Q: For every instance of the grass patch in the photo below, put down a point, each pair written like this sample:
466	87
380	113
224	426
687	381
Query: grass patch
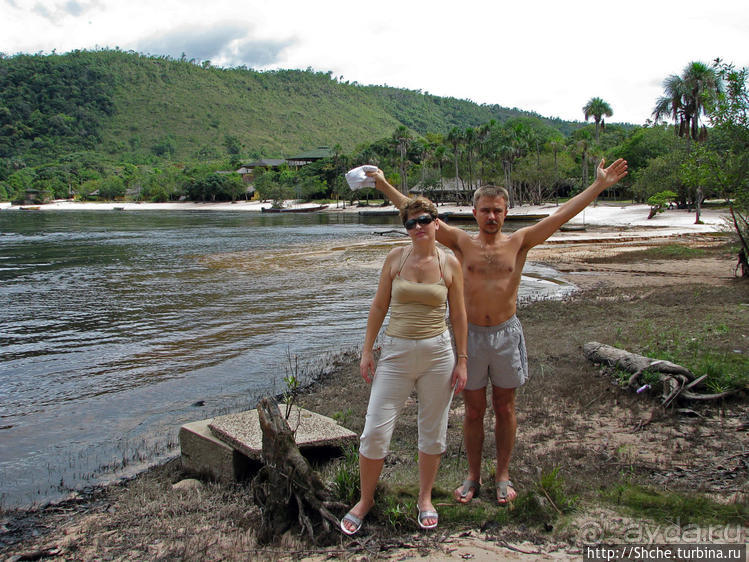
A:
698	350
668	507
676	252
346	478
668	252
545	502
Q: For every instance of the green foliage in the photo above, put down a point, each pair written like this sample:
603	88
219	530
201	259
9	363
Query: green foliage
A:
672	251
726	370
644	144
233	144
165	147
730	169
663	506
546	502
660	201
135	107
346	479
53	104
342	417
663	173
112	187
268	186
126	120
597	108
213	186
397	513
688	96
293	382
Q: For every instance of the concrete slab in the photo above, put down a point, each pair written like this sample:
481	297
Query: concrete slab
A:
204	454
242	431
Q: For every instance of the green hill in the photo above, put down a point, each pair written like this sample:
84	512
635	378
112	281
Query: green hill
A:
130	107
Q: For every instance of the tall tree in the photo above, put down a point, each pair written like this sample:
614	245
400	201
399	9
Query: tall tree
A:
597	108
583	145
556	144
455	137
672	105
441	158
730	115
510	142
687	97
702	85
403	138
469	137
482	136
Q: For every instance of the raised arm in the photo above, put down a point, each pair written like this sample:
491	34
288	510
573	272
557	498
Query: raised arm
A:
446	234
383	186
605	178
377	311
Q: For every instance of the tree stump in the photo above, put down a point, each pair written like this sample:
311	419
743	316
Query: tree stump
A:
287	489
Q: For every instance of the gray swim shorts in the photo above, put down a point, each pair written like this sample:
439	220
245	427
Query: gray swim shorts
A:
497	353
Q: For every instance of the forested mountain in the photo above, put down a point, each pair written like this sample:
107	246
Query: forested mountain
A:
129	107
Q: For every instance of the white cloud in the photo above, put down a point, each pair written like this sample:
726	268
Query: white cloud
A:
227	43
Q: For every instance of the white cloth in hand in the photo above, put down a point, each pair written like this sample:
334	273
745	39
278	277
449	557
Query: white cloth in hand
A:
358	179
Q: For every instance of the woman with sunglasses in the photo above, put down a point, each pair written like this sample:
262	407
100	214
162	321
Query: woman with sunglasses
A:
417	283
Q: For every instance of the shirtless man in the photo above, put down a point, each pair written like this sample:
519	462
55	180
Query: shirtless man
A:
492	264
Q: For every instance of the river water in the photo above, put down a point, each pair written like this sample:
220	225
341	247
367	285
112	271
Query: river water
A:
117	327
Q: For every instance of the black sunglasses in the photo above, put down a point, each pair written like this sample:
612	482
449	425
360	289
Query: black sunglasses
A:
423	220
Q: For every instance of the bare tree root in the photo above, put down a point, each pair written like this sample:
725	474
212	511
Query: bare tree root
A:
288	491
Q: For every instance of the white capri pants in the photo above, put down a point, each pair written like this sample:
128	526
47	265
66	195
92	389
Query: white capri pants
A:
404	363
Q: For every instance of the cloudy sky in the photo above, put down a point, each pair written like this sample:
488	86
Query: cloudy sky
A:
543	56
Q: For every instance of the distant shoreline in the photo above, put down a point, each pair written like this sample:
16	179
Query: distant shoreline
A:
67	205
605	219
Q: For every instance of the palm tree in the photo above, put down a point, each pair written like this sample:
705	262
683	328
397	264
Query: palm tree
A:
687	96
510	143
673	104
455	137
403	138
584	147
426	155
702	86
597	108
469	137
441	157
482	136
556	144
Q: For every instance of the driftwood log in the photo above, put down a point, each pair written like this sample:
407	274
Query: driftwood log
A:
678	382
287	489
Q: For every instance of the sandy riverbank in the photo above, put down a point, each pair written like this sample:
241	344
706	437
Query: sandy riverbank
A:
599	220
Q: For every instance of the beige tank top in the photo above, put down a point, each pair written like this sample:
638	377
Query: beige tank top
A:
417	310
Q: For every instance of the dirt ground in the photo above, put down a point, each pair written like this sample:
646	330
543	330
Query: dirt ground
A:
572	417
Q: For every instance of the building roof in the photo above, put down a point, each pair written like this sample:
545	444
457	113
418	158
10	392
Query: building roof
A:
316	154
264	163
